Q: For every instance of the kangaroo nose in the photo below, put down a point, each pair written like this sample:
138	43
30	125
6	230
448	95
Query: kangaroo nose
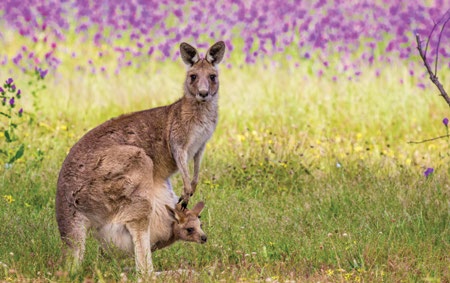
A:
204	238
203	92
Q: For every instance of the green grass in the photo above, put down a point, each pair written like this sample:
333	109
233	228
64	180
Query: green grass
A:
305	179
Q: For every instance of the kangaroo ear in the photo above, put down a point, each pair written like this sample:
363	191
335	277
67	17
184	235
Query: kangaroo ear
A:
189	54
215	53
176	215
198	208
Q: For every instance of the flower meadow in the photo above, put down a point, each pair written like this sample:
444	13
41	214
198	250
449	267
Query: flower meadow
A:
129	32
330	161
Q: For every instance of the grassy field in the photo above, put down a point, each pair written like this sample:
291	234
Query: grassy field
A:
306	179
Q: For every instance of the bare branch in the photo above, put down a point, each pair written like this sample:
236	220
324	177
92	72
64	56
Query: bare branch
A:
427	140
433	76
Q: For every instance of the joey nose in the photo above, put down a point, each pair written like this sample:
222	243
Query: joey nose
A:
204	238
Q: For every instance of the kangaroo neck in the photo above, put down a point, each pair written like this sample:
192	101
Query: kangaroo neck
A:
199	109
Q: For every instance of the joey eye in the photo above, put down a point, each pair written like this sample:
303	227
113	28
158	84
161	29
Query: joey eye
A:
190	230
193	77
212	78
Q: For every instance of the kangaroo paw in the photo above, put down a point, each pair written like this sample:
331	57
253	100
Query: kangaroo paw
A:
184	200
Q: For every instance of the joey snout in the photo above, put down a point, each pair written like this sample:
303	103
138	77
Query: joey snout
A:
203	239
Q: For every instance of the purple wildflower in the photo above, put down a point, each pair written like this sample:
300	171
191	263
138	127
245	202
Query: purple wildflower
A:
178	13
150	50
428	172
12	102
2	91
20	112
445	122
9	81
42	73
18	94
17	59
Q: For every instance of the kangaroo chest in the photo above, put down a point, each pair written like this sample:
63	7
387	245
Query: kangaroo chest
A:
199	135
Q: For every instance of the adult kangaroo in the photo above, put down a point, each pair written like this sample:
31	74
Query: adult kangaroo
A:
118	173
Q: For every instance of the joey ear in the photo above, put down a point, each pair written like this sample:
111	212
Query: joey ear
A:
172	212
215	53
198	208
175	214
189	54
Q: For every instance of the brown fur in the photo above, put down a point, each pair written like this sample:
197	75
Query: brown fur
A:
118	173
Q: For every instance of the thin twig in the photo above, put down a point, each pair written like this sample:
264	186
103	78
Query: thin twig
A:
429	38
433	76
441	137
439	40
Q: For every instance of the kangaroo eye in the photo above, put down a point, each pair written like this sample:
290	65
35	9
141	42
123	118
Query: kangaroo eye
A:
193	77
213	78
190	230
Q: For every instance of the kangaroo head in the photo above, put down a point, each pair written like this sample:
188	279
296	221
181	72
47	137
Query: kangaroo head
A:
202	82
187	225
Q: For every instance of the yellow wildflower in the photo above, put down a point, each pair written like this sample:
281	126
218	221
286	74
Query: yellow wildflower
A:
330	272
408	161
358	148
9	198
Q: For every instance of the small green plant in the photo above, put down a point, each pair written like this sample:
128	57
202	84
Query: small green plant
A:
11	118
37	85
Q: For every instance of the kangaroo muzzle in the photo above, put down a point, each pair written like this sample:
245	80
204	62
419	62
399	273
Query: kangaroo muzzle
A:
203	88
